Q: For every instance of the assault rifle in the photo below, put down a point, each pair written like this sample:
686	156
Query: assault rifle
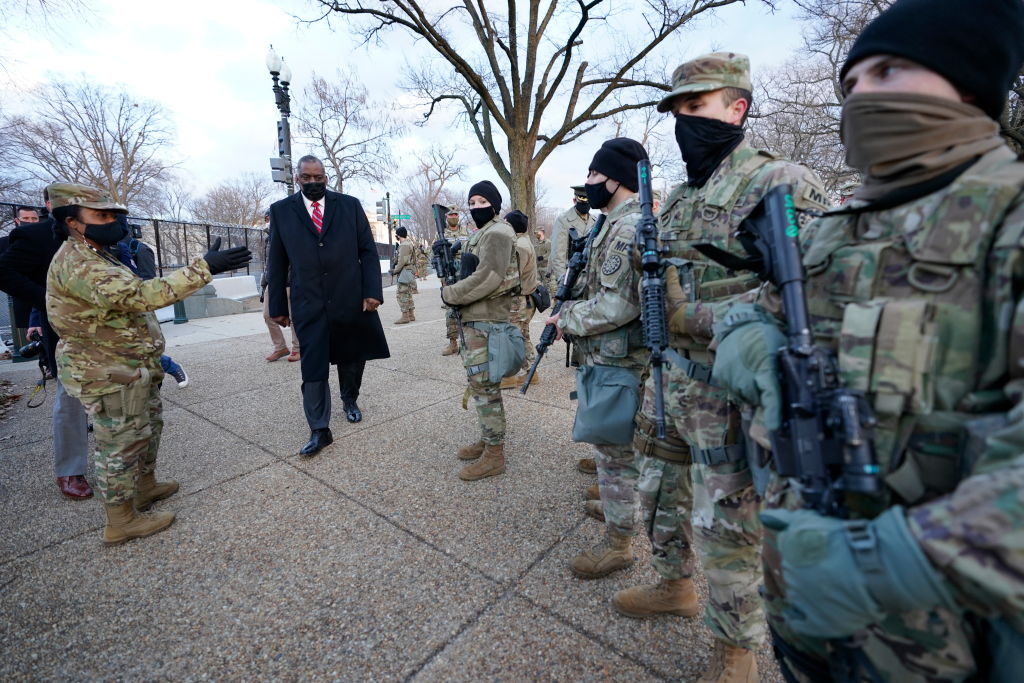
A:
578	258
652	291
444	261
826	440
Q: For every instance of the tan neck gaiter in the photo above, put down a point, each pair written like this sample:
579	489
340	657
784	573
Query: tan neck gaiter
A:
897	140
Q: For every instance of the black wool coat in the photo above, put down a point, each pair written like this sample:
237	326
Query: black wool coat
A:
331	273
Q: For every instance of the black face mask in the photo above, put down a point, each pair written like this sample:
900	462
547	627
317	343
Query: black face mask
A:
582	208
482	216
107	233
598	195
704	143
314	191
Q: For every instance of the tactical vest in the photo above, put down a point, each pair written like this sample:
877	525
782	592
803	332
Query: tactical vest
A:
510	282
900	295
710	214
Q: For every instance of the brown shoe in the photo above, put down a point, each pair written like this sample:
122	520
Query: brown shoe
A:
124	523
74	487
293	356
594	509
490	464
586	466
148	490
406	318
592	492
451	349
730	665
668	596
471	452
509	382
277	355
610	555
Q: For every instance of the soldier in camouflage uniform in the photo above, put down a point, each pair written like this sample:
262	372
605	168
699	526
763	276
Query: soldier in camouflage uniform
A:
421	262
522	305
406	263
542	248
916	284
575	221
455	232
109	353
726	179
603	318
484	297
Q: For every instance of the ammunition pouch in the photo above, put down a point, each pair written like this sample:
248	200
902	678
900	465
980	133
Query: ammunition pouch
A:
608	399
506	350
407	277
132	398
670	449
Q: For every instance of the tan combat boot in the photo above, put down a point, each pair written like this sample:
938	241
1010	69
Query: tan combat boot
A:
148	490
412	314
404	319
730	665
613	553
509	382
471	452
492	463
451	349
592	492
594	509
668	596
586	466
124	523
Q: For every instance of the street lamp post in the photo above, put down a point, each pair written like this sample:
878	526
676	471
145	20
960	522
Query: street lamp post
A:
281	75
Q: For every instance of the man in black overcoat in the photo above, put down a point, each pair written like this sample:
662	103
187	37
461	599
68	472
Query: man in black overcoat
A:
325	239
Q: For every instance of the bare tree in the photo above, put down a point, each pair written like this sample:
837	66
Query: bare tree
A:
654	131
519	74
424	188
240	201
350	132
86	133
172	199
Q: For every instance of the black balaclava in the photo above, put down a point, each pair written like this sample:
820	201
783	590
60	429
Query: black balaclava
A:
487	190
617	159
518	220
704	143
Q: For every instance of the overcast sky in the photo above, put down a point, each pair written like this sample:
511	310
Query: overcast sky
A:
204	61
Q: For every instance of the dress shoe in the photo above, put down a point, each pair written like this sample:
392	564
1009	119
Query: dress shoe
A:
277	355
318	440
352	412
293	356
74	487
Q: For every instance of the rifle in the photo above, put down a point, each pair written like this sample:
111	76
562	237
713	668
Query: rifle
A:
578	258
444	262
826	440
652	291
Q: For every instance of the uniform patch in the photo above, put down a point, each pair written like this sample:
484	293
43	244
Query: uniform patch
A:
611	264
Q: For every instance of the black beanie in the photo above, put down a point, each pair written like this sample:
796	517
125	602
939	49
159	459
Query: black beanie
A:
617	159
518	220
487	190
402	232
977	45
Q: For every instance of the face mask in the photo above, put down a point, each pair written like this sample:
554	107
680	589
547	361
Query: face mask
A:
598	195
107	233
314	191
704	143
583	208
453	221
482	216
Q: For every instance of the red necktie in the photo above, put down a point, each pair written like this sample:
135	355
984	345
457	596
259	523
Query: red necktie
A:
318	217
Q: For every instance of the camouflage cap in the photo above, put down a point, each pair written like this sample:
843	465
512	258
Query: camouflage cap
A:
709	72
70	194
579	191
451	210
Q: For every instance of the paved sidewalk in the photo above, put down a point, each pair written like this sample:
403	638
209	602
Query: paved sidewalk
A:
371	561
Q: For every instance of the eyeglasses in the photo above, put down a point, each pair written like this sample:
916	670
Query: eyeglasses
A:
306	178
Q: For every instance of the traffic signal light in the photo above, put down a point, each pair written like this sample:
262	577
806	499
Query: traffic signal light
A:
283	136
381	213
280	171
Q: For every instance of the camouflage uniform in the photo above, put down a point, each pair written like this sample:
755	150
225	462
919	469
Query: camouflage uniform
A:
457	234
604	320
523	309
703	427
109	354
542	248
486	297
881	293
421	263
569	222
406	260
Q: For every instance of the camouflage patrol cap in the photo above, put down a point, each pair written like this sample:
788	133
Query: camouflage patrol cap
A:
709	72
452	210
73	194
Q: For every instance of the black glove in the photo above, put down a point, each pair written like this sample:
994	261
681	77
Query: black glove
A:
469	264
229	259
438	247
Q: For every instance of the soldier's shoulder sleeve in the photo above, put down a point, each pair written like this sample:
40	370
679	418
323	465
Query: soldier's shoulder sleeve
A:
808	190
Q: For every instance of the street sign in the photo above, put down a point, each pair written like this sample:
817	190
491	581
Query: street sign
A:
400	217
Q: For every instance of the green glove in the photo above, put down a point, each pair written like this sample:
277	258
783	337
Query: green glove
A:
746	362
842	575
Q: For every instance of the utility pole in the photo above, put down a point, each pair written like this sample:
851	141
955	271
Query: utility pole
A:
281	166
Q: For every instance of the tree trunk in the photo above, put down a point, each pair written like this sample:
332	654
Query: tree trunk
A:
524	174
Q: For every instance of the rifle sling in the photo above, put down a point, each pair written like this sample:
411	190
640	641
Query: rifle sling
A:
692	369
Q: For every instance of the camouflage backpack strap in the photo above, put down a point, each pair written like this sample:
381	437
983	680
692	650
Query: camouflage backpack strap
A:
729	187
